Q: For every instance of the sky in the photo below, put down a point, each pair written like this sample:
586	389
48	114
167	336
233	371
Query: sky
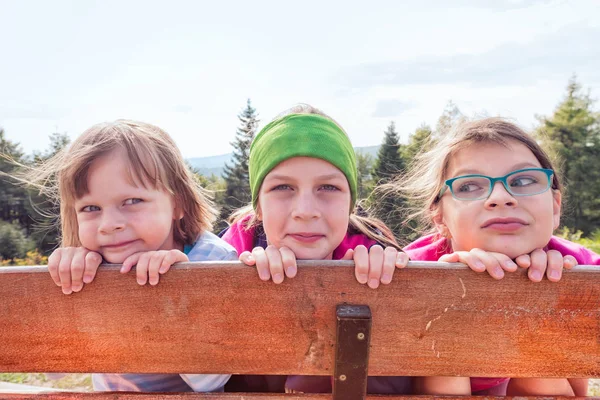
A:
190	66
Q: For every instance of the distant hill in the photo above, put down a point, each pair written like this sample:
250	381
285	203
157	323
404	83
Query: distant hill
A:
208	166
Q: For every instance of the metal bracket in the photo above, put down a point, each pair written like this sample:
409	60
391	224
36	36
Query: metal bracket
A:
353	337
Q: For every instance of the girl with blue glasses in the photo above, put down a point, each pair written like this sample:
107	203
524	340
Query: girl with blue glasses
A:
492	199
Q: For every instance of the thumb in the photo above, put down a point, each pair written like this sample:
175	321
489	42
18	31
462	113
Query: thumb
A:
349	255
247	258
452	257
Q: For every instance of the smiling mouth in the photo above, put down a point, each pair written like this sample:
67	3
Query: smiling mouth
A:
306	237
118	245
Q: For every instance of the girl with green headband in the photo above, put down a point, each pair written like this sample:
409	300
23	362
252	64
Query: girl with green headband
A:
303	179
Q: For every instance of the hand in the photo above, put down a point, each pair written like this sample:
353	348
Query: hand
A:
151	264
550	262
71	267
480	260
271	262
376	264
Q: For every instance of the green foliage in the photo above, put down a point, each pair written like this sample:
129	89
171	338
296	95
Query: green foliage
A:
364	165
237	192
572	134
591	242
14	242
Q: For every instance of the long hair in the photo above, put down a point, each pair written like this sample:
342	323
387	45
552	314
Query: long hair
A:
425	177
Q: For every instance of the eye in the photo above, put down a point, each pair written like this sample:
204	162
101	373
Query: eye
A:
129	202
89	209
523	181
469	187
281	187
329	188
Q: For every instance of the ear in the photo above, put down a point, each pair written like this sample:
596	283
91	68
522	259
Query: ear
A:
438	220
556	203
177	209
258	212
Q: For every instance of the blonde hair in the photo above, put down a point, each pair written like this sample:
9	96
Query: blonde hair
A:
373	228
426	175
154	159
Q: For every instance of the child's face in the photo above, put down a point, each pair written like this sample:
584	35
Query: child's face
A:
118	217
304	204
512	225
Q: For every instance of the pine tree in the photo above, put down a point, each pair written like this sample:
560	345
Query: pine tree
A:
237	192
572	134
388	163
389	206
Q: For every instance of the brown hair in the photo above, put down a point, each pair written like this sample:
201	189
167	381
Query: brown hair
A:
426	175
154	159
373	228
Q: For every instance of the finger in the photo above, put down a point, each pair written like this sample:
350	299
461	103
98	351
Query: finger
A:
361	264
402	260
53	262
375	266
77	268
172	257
451	258
64	270
130	262
92	262
469	258
262	263
349	255
155	261
539	262
492	265
505	262
523	261
554	266
275	263
247	258
288	259
141	269
569	262
390	257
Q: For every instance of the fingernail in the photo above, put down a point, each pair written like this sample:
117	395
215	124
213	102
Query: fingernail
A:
479	265
373	283
536	275
509	264
554	275
363	278
290	271
277	278
67	291
498	272
264	275
141	282
87	279
77	288
386	278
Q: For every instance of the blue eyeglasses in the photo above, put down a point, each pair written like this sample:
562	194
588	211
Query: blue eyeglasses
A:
522	182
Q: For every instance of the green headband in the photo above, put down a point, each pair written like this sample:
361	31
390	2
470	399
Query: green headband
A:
301	135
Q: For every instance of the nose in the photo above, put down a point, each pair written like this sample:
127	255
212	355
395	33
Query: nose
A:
112	221
305	206
500	197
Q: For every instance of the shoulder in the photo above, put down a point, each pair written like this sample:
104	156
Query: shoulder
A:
427	248
582	255
240	236
209	246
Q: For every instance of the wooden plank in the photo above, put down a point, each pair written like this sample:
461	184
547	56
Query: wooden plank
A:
252	396
217	319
